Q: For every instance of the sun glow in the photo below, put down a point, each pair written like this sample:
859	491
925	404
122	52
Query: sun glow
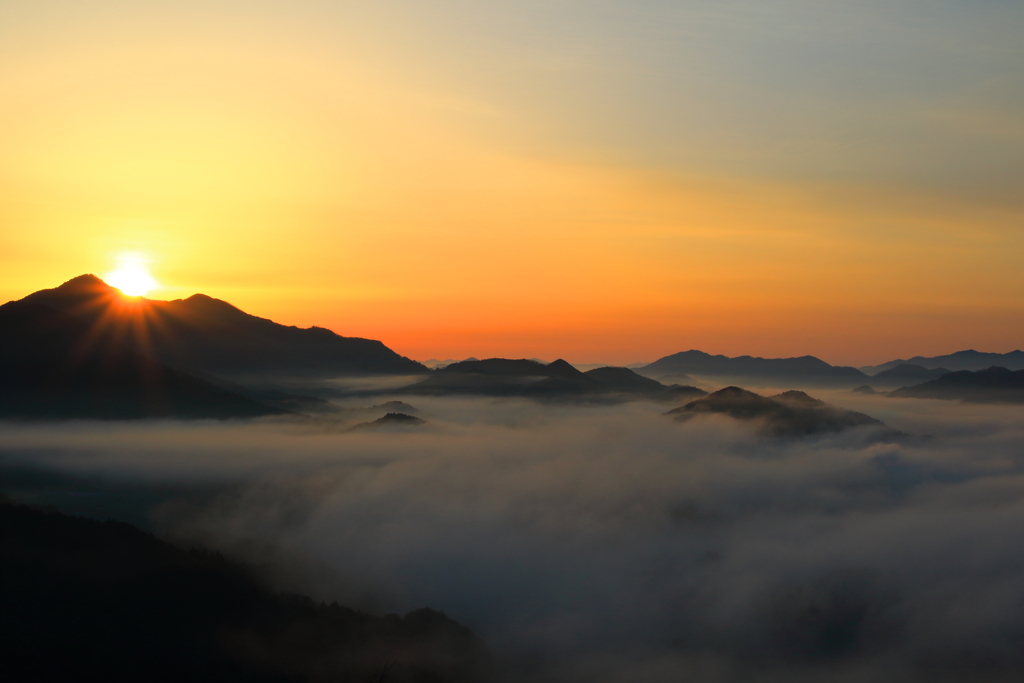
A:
131	276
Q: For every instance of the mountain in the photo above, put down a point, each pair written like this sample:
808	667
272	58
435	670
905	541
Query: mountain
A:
624	379
390	422
203	334
906	373
92	601
994	385
961	360
531	378
806	370
792	413
53	365
508	377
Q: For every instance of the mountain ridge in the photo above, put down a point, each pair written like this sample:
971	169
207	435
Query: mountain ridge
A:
968	359
202	333
557	380
993	385
802	369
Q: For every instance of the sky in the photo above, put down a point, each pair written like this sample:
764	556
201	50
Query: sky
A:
604	181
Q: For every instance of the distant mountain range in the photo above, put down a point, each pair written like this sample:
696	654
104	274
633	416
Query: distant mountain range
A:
203	334
557	380
803	371
813	372
84	350
905	374
961	360
994	385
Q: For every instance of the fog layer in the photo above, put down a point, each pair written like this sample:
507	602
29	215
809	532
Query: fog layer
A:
609	543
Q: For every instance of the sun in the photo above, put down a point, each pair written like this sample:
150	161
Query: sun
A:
131	276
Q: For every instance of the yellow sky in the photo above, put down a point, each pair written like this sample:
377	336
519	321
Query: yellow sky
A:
310	175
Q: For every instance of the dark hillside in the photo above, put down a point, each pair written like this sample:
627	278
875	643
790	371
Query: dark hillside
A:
82	600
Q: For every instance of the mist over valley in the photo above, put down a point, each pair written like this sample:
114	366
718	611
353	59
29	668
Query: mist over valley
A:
556	524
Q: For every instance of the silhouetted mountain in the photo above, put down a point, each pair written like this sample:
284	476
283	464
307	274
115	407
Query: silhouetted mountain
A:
864	390
389	422
961	360
557	380
994	385
792	413
507	377
624	379
53	365
204	334
806	370
906	373
104	602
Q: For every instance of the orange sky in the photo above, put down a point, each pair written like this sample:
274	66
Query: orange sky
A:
493	185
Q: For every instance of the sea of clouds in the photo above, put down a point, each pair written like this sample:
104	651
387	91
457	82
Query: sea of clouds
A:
605	543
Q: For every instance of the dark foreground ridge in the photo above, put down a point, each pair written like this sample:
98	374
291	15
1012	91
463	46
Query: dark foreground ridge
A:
994	385
792	413
82	600
207	335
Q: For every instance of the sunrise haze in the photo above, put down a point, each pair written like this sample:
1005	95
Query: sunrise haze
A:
598	181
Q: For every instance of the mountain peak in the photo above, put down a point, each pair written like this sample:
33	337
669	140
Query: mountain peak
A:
86	280
209	303
84	290
202	334
83	284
